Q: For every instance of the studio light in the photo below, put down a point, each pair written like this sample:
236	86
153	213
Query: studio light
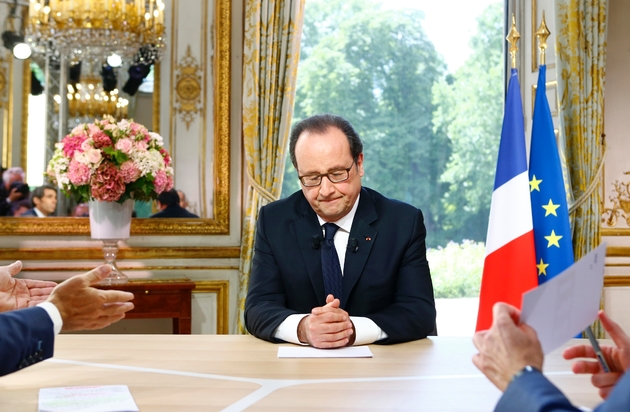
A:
114	60
140	69
22	51
13	34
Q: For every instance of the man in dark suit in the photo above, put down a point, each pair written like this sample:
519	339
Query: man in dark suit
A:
168	203
386	293
44	200
28	335
510	356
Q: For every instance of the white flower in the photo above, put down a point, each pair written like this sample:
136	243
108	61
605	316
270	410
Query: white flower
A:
157	139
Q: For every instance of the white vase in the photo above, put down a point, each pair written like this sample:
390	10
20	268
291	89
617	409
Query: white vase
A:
111	222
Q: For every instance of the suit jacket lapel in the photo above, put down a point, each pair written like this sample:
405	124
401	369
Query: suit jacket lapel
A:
365	235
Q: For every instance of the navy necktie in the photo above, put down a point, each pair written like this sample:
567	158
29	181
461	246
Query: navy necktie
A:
331	269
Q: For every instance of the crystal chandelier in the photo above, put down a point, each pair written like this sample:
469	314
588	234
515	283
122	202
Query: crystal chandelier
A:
95	29
88	100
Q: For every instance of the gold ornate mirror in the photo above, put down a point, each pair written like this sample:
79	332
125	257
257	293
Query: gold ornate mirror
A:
216	177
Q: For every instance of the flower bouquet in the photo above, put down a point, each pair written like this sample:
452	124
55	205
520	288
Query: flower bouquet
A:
111	164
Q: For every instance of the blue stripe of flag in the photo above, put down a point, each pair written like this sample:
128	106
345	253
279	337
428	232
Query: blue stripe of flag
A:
512	159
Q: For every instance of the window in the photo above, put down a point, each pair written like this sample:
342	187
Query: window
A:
429	111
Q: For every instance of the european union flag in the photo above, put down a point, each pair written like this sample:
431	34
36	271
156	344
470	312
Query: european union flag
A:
550	214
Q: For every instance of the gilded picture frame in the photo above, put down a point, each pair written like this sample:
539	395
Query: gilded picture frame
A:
218	224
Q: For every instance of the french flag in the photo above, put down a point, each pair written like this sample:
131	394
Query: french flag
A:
509	268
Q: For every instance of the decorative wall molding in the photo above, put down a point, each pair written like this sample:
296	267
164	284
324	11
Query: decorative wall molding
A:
616	281
128	253
221	288
618	251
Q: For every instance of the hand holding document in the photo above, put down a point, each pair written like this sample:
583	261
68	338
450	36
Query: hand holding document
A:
565	305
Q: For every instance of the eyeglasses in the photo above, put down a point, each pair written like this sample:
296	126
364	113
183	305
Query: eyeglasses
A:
335	176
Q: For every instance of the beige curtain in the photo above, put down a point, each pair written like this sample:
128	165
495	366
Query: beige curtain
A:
581	59
271	52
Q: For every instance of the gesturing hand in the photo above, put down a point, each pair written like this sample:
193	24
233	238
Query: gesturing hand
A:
327	326
618	358
21	293
83	307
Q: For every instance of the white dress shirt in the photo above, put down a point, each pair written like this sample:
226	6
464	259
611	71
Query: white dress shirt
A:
366	330
54	314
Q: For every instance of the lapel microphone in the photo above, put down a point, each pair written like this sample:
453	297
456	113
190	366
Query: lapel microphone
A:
316	242
353	245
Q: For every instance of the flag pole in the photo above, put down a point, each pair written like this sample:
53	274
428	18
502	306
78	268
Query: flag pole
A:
513	38
541	35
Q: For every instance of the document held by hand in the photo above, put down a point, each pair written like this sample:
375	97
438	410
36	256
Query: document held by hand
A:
564	306
107	398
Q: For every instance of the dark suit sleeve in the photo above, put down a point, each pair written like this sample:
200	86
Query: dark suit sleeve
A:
533	392
5	208
27	337
266	302
411	313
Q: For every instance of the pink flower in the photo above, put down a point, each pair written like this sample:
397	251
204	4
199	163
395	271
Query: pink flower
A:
107	184
167	157
161	181
78	173
80	129
72	143
129	171
124	145
93	130
92	156
101	140
87	145
141	145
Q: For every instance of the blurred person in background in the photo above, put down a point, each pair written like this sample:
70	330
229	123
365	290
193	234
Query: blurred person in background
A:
44	199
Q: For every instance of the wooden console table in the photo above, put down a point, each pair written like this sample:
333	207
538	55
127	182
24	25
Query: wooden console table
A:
161	299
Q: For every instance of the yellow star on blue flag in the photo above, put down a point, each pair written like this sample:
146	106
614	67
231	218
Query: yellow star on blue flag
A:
552	230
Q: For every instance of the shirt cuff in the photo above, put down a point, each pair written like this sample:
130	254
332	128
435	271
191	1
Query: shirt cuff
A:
287	331
54	314
367	331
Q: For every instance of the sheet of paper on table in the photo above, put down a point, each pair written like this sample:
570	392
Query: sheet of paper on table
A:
309	352
108	398
564	306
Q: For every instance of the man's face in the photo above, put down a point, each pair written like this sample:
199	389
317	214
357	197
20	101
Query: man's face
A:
322	153
48	203
182	199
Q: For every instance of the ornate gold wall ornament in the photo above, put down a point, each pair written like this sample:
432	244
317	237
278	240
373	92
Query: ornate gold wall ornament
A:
3	81
188	88
621	204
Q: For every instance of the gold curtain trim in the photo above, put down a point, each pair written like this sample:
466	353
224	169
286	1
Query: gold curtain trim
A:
267	195
592	186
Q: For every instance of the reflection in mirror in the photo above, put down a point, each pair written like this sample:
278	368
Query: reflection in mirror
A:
209	185
94	89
